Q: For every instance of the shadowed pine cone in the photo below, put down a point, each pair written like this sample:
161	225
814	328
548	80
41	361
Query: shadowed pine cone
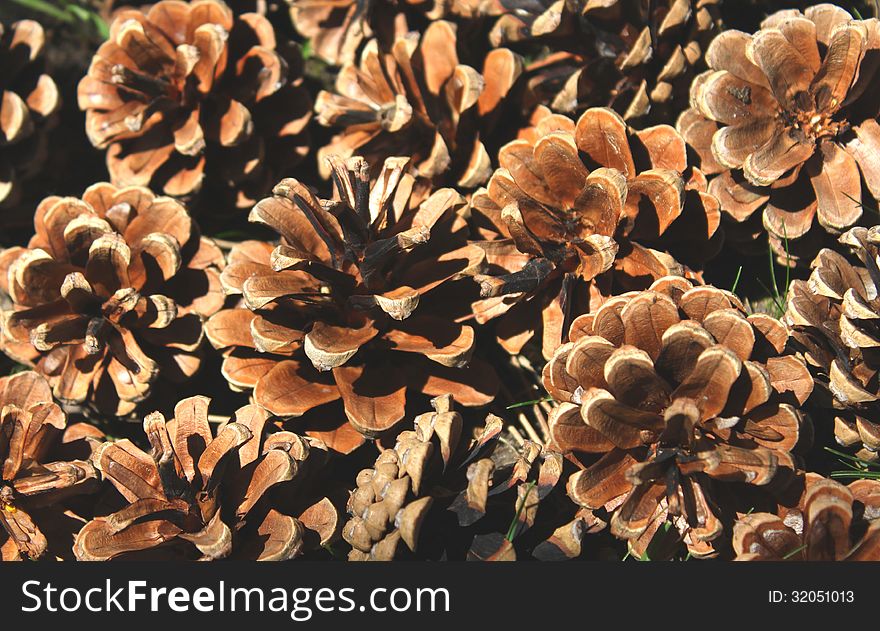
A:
337	29
686	399
358	302
109	295
786	121
634	56
397	508
419	100
197	492
185	95
30	100
832	523
573	216
31	424
834	318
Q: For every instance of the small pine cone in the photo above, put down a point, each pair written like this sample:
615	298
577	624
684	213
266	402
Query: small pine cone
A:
623	54
685	398
185	96
581	211
30	100
110	295
833	522
785	120
402	505
31	428
203	495
833	317
361	301
418	99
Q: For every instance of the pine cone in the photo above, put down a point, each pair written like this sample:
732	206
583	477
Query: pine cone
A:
832	523
197	492
786	121
31	425
421	101
183	95
436	466
338	29
833	317
569	215
109	295
685	398
30	100
358	302
635	57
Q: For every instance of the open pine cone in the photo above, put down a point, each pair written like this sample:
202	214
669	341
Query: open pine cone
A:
187	94
834	319
336	29
358	302
419	100
832	523
573	215
31	423
635	57
397	509
197	492
109	295
786	120
684	397
30	100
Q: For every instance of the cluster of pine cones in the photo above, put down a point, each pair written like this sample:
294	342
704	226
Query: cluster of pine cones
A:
464	279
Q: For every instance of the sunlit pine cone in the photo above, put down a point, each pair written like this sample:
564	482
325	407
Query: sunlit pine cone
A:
832	523
359	302
189	96
834	318
30	100
109	295
633	56
418	99
687	402
199	493
31	480
581	211
785	120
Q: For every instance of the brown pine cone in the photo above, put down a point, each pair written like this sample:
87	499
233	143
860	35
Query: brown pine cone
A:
578	213
358	302
31	426
30	100
196	492
337	29
686	399
186	96
401	506
786	121
418	99
635	57
110	295
833	522
834	321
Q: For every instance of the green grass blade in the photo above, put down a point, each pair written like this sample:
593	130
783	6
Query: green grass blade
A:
736	280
